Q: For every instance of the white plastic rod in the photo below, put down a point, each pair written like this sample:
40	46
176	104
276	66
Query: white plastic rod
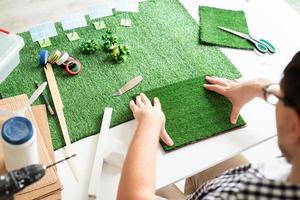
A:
32	99
21	111
99	155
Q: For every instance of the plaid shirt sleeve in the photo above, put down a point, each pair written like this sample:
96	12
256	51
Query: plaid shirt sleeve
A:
246	182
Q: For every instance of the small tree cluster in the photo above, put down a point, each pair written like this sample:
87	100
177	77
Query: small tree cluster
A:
89	47
110	40
119	52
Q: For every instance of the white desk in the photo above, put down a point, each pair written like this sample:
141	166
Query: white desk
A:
273	20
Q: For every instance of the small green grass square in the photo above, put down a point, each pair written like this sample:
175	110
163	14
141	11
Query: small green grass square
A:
210	34
44	43
73	36
193	113
125	22
99	25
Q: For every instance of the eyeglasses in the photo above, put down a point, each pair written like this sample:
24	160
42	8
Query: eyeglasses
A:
272	96
272	93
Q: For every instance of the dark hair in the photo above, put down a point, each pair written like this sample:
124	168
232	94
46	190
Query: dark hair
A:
290	83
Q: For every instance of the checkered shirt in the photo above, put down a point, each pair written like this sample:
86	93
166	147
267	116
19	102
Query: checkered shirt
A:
243	183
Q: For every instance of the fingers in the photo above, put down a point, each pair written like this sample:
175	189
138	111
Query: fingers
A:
145	99
166	138
138	101
142	100
216	80
215	88
234	114
156	102
132	106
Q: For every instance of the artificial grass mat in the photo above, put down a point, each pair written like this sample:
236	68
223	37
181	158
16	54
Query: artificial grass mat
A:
210	34
165	49
193	113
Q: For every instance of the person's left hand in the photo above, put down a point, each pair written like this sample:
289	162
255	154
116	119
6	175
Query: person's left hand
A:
144	112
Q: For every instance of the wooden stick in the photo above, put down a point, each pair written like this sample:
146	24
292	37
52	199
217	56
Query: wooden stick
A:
58	104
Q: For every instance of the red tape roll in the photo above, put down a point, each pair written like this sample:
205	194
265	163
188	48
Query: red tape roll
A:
73	67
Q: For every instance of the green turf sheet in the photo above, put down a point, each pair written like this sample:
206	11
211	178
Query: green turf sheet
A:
193	113
211	18
295	4
164	41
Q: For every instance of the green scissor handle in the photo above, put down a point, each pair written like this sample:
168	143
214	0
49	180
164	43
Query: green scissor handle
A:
270	47
259	46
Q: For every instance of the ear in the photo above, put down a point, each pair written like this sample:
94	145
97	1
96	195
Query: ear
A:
295	119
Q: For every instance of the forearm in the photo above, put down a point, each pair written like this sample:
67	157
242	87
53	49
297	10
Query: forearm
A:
256	86
138	175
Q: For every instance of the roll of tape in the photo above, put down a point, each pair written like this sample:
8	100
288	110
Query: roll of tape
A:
72	66
43	57
63	58
55	55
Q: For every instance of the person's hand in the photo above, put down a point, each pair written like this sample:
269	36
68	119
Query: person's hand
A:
238	92
144	112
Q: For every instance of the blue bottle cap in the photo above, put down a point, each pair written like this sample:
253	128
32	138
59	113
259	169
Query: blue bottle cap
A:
17	130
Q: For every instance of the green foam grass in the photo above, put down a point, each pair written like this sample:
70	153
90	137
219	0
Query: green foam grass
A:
193	113
165	50
211	18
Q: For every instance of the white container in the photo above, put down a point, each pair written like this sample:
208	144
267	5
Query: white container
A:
18	138
10	46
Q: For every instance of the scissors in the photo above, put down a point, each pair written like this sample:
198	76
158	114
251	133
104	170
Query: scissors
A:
261	45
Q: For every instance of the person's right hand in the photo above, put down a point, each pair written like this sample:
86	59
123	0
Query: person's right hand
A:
238	92
144	112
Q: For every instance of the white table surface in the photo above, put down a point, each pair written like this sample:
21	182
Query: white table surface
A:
273	20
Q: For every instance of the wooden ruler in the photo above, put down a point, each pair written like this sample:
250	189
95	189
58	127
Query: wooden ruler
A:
58	104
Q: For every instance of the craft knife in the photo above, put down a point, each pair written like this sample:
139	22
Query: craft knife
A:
45	99
128	86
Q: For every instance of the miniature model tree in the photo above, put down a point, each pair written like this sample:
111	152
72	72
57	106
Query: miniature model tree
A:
120	53
110	40
89	47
